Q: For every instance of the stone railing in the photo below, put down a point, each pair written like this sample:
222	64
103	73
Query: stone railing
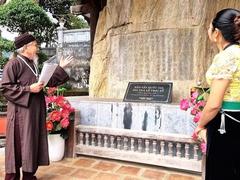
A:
167	150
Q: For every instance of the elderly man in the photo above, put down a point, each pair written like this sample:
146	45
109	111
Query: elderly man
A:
26	135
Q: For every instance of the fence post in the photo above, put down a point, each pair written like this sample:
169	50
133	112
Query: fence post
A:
60	31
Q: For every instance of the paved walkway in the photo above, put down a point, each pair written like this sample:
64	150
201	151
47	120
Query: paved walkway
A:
84	167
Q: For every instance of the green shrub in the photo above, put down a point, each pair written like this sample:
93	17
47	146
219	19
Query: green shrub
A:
5	46
26	16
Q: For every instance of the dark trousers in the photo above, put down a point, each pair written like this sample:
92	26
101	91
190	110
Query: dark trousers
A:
18	159
223	158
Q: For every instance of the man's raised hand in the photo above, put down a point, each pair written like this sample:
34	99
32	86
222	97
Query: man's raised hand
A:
64	62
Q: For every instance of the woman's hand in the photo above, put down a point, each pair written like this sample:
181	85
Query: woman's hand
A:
36	87
64	62
201	133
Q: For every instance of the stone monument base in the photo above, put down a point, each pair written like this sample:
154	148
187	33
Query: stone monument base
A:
157	134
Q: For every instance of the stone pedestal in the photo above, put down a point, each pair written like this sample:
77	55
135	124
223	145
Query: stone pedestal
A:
149	117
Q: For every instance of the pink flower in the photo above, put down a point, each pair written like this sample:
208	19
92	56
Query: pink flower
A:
60	101
51	99
64	122
71	109
194	97
184	104
197	117
203	147
194	136
68	107
194	111
201	104
194	94
193	100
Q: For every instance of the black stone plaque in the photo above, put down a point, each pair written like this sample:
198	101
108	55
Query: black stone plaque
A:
152	92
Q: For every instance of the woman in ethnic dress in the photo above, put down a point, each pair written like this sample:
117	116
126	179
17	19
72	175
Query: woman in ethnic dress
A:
219	124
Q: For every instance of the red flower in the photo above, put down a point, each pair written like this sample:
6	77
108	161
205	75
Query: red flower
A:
65	113
49	125
64	123
55	115
50	99
60	101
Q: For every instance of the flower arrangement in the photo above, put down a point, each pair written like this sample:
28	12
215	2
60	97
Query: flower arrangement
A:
196	103
59	112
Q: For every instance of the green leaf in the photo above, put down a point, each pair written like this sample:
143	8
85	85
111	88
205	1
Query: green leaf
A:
200	98
58	127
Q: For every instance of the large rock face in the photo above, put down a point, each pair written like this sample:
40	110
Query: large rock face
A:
152	40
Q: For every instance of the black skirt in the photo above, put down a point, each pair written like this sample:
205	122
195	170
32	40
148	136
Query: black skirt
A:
223	150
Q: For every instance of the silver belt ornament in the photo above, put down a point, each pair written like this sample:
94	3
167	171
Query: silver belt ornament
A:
222	129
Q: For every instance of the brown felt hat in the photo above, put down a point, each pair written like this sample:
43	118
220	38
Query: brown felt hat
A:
23	39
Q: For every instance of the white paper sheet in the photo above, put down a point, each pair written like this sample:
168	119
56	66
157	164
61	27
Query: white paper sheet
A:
47	72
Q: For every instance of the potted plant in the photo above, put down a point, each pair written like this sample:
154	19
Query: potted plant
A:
59	115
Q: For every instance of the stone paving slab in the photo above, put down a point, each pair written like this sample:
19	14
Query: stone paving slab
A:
84	167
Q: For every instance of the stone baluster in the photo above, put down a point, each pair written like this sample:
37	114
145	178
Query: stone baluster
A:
162	144
139	145
105	141
195	152
87	138
93	139
170	149
154	147
132	144
119	142
112	141
81	138
147	150
99	137
178	149
125	143
187	154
